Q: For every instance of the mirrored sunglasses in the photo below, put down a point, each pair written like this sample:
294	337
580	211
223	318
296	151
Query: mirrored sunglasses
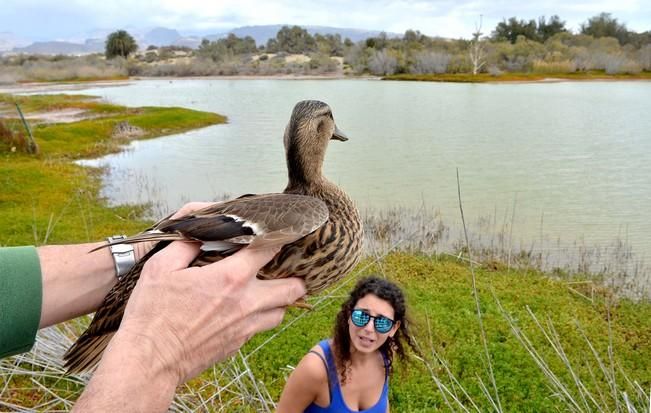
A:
381	323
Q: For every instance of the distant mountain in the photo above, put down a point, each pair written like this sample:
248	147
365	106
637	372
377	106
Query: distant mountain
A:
160	36
188	41
9	40
51	48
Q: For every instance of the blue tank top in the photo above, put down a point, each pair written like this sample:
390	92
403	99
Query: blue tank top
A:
337	403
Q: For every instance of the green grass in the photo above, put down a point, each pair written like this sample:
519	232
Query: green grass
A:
44	103
516	77
439	290
48	194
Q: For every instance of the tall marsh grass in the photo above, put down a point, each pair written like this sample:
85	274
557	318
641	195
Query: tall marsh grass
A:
491	238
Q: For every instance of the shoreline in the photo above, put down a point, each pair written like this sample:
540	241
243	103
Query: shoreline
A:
32	87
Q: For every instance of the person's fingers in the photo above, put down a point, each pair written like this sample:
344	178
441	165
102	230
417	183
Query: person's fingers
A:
263	321
176	256
247	261
277	293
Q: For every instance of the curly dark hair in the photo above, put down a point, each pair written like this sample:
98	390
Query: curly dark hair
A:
388	291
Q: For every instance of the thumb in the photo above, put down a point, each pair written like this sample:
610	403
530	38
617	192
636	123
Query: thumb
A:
176	256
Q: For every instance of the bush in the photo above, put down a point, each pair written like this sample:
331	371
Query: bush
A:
564	66
14	140
620	64
430	62
644	57
383	63
494	70
322	63
87	67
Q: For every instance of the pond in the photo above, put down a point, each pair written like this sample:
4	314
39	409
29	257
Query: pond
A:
566	160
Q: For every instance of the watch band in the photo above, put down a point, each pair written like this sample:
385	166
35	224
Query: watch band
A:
124	257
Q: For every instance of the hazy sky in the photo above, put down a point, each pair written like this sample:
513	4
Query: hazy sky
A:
77	19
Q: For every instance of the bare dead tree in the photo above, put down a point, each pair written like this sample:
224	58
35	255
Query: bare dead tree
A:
477	49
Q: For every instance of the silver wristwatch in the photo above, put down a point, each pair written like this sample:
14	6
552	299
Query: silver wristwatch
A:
123	255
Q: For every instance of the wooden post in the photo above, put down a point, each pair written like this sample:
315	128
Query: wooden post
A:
32	147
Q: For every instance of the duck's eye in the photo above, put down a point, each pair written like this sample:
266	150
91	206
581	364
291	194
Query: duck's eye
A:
330	115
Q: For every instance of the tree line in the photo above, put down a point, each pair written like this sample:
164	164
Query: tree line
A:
543	45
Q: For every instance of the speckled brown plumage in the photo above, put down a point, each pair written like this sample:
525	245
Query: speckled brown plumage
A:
315	221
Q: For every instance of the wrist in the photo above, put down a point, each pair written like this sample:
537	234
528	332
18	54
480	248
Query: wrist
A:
149	350
130	377
146	353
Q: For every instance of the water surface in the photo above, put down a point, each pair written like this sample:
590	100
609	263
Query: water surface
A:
567	160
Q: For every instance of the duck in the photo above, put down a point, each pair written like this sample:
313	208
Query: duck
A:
316	224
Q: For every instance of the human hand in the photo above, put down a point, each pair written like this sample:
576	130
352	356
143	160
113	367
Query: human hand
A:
190	318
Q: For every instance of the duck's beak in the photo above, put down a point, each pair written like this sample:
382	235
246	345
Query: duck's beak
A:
339	135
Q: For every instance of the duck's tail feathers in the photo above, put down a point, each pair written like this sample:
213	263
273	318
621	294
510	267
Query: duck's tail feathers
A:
86	353
145	236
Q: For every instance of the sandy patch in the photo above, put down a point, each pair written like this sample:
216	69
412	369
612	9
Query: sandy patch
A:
297	58
53	116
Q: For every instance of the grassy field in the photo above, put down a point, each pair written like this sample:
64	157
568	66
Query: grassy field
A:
46	198
585	349
517	77
443	310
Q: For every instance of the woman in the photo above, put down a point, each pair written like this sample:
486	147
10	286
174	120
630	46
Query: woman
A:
350	373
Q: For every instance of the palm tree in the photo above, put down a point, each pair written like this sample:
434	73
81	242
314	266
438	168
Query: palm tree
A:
120	43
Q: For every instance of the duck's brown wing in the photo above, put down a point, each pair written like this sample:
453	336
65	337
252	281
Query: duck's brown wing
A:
259	220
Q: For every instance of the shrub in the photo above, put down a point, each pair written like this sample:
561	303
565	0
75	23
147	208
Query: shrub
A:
383	63
322	63
564	66
14	140
430	62
644	57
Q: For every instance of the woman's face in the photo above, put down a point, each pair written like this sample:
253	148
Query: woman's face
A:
367	339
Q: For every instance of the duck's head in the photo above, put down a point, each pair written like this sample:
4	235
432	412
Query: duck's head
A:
308	132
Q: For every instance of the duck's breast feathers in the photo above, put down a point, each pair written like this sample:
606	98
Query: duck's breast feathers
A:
262	220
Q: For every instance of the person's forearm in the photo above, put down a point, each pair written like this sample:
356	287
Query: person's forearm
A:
130	378
75	280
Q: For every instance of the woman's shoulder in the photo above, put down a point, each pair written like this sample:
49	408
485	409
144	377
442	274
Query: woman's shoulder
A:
314	364
308	379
